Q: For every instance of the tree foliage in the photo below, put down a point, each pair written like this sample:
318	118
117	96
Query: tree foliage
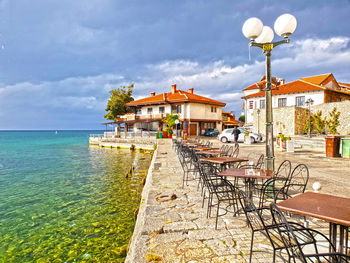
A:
116	103
319	122
333	121
306	125
241	118
169	120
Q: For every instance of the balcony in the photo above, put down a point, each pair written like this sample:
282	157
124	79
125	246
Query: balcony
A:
140	117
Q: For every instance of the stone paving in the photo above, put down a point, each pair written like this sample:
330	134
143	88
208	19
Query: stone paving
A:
172	225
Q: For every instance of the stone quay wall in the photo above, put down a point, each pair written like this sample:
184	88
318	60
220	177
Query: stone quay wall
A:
145	143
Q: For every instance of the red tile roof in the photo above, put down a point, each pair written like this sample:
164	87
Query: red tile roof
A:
262	84
302	85
178	96
318	80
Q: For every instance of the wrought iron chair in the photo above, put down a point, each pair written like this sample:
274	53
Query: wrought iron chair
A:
260	220
219	188
299	240
268	190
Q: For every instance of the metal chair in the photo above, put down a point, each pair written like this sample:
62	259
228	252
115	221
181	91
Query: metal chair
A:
299	240
218	187
268	190
260	220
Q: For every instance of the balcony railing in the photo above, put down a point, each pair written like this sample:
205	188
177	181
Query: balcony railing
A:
133	117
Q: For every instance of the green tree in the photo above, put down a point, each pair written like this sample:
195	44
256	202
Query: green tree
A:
319	122
241	118
333	121
306	125
116	103
169	120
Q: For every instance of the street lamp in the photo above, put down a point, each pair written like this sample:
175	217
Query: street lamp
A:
309	102
176	123
261	36
258	112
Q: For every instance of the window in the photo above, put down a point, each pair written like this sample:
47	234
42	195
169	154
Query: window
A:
329	99
138	111
176	108
213	109
149	110
300	101
161	109
251	104
262	104
282	102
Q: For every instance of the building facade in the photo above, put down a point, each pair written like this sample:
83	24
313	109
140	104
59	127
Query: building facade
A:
320	89
196	113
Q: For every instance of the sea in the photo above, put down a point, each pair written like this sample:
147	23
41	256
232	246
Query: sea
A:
62	200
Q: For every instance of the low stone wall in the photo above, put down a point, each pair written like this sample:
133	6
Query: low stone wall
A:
291	120
135	143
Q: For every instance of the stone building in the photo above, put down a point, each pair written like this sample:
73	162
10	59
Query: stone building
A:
197	113
290	109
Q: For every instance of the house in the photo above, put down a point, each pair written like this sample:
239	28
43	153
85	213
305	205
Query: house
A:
321	89
228	120
197	113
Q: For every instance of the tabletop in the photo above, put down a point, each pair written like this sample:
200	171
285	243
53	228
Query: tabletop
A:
204	148
247	173
223	160
330	208
212	152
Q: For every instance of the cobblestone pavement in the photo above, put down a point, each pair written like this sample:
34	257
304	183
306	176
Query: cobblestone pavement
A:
175	227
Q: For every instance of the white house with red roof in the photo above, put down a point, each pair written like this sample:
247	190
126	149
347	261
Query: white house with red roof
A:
321	89
197	113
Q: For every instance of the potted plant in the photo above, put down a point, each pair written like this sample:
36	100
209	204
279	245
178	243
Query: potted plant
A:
278	138
333	141
169	120
247	138
290	144
283	143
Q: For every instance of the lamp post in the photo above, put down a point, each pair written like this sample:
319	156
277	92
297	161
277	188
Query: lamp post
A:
176	123
258	112
309	102
261	36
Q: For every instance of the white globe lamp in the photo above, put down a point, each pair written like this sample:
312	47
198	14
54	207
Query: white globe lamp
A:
266	35
252	28
285	25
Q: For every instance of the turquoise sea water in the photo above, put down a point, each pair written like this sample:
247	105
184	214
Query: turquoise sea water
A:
63	201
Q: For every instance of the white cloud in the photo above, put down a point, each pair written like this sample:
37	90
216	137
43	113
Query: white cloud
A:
218	80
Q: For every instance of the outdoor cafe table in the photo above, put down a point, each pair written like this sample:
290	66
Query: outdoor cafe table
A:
212	152
222	161
333	209
250	175
204	148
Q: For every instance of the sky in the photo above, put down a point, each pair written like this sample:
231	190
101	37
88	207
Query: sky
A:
59	59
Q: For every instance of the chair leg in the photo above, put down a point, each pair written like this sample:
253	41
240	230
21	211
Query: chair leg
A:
251	247
217	215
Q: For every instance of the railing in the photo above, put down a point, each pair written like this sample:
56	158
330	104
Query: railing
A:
129	134
100	135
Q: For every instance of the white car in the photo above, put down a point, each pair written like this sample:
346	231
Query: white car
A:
227	136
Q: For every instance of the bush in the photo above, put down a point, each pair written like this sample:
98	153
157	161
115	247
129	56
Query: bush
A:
319	122
333	121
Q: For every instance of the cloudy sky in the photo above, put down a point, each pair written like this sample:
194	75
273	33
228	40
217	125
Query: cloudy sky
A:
59	59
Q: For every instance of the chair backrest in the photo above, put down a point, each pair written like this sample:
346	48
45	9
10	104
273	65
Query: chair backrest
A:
287	235
235	152
260	163
298	179
229	151
254	218
283	174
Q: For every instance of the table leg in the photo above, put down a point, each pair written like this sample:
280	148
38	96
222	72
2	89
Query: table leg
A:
333	235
